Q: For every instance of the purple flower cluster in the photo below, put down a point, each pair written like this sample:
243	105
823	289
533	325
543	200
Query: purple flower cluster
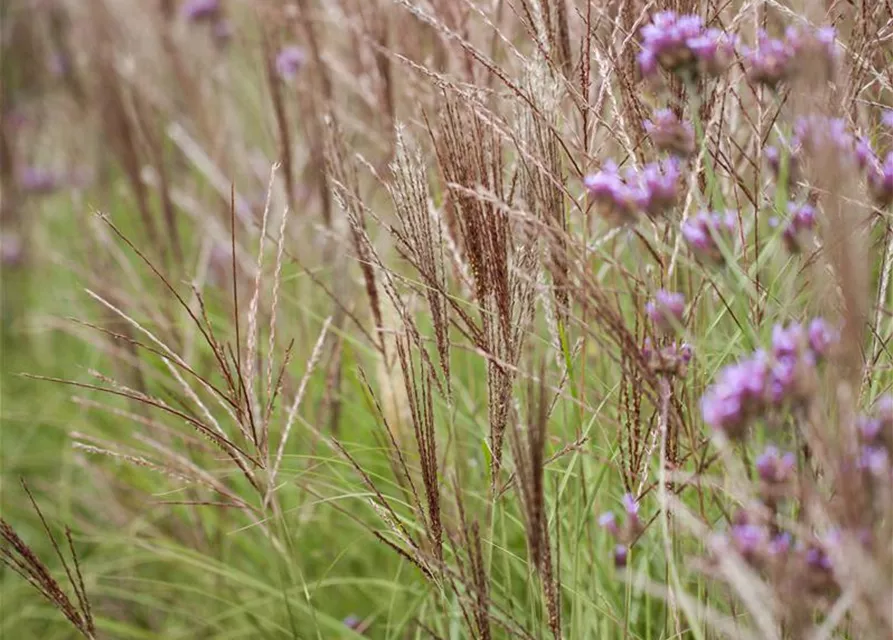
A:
776	471
819	135
653	190
201	10
799	227
682	44
12	251
670	134
671	360
666	311
880	180
702	231
209	12
875	434
774	467
754	386
627	532
40	181
290	61
755	536
776	60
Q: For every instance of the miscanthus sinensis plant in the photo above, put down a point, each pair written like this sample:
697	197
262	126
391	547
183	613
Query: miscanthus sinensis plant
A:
551	318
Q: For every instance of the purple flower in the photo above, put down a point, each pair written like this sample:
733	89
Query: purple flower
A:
714	50
59	64
800	225
680	43
869	428
651	190
780	545
290	61
666	310
748	539
12	251
39	181
792	372
774	467
630	505
608	189
199	10
821	337
787	341
621	556
608	522
738	395
222	31
774	159
352	622
670	360
701	231
657	186
770	62
875	460
823	135
816	552
887	119
865	156
880	181
670	134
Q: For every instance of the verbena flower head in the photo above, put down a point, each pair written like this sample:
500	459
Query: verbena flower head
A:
652	190
749	539
799	227
199	10
776	60
681	44
290	61
626	534
616	199
657	186
788	153
775	467
793	371
670	134
761	382
701	232
12	251
880	181
887	119
737	396
823	135
875	433
621	556
865	156
39	181
779	545
222	31
630	505
671	360
821	337
666	310
770	62
875	460
608	522
883	410
714	50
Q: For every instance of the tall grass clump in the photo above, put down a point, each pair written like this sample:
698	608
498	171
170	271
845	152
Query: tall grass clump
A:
473	319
